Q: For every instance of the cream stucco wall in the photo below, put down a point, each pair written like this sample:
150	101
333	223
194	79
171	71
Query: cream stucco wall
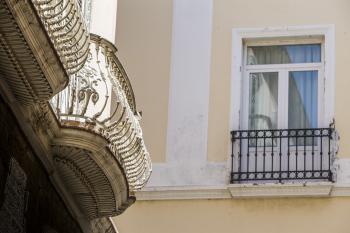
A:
143	38
144	34
104	18
298	215
269	13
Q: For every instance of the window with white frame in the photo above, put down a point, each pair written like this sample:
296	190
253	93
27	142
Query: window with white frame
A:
283	83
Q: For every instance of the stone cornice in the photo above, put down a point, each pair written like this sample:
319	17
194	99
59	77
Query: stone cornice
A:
317	189
308	189
183	193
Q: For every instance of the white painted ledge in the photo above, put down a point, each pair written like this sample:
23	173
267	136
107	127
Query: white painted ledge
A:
308	189
281	190
341	190
183	193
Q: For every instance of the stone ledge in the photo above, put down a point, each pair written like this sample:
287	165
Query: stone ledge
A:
319	189
270	190
183	193
341	190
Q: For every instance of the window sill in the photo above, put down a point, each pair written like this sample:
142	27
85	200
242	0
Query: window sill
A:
308	189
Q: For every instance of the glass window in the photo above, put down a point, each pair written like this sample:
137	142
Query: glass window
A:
282	88
283	54
263	100
302	100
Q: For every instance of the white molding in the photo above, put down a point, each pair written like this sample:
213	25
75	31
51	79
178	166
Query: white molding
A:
341	190
183	193
281	190
237	191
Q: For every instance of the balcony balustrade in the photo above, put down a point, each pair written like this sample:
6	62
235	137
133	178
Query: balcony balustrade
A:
282	155
66	29
99	99
90	139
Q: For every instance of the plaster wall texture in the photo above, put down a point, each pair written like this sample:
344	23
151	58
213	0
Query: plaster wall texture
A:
201	31
178	55
186	95
144	37
292	215
180	136
104	18
272	13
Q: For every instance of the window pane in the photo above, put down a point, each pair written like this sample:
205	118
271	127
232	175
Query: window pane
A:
263	100
284	54
303	104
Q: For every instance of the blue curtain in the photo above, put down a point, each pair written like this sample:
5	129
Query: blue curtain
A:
303	53
302	99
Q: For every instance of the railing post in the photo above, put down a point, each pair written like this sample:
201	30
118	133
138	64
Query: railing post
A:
232	155
280	156
330	174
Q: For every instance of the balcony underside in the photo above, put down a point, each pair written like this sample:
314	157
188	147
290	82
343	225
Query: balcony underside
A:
91	174
28	62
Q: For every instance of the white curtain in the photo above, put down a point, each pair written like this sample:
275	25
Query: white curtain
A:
302	93
263	100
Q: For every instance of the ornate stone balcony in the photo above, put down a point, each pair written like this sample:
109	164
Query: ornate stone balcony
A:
42	43
66	29
88	136
100	148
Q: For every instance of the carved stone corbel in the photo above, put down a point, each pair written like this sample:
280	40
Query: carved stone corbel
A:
40	117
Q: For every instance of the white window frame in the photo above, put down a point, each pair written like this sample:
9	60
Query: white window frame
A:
240	35
282	70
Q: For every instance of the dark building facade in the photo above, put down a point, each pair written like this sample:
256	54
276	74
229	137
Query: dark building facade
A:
29	202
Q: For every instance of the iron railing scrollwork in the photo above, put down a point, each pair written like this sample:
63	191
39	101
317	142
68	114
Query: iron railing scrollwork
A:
282	154
99	98
66	28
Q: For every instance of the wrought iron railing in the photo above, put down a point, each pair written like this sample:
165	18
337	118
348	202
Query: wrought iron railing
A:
99	98
66	28
281	155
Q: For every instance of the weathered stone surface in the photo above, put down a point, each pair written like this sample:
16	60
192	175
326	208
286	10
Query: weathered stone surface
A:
42	206
15	200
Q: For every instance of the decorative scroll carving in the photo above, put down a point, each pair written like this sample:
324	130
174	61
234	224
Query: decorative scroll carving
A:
40	117
99	98
115	68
